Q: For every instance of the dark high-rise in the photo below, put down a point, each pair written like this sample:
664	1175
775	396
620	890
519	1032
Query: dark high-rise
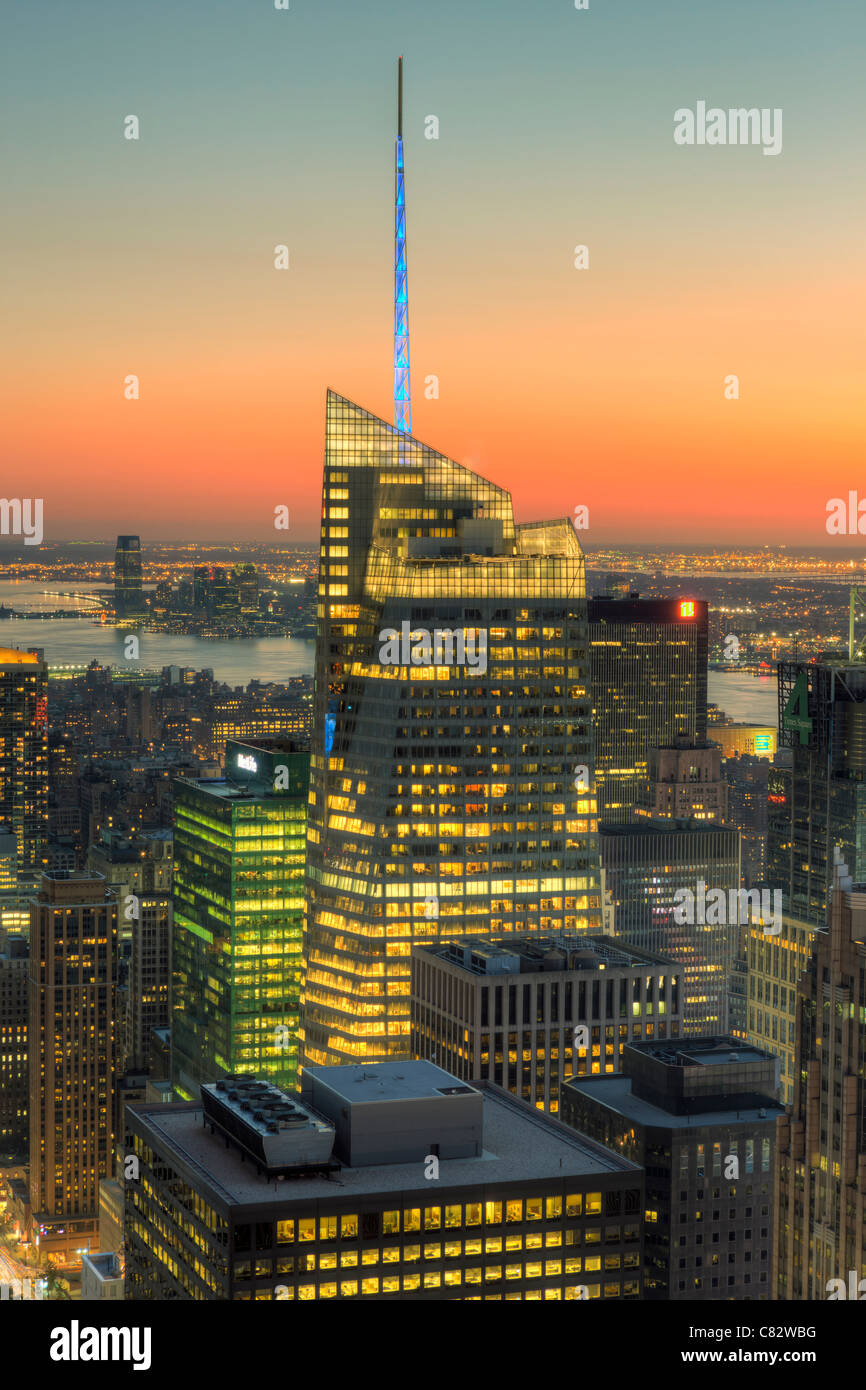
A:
820	802
649	690
821	1221
24	756
128	597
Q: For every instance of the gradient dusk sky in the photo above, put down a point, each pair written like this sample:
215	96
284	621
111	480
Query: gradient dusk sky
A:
602	387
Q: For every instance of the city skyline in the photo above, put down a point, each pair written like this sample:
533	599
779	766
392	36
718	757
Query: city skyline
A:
703	263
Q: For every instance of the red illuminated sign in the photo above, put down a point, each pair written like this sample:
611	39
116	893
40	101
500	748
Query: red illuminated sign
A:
687	608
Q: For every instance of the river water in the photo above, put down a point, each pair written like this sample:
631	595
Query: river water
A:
77	641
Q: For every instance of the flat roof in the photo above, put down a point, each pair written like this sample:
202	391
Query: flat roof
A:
535	954
520	1144
388	1081
616	1093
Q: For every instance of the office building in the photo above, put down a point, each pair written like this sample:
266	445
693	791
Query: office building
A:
148	1005
650	865
822	1142
821	801
685	782
128	595
398	1182
700	1117
72	986
450	790
509	1009
24	756
14	1123
649	688
774	964
238	916
747	780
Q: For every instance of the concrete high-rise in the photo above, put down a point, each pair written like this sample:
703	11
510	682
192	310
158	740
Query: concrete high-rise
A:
24	755
530	1012
450	788
72	986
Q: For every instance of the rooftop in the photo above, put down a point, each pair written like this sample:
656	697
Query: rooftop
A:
389	1081
480	955
616	1093
520	1144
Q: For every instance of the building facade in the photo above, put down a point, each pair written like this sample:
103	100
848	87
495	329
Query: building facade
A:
361	1217
647	864
649	688
700	1117
530	1012
822	1142
24	756
821	801
72	988
14	1084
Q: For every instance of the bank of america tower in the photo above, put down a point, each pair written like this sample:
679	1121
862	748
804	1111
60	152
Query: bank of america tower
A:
451	785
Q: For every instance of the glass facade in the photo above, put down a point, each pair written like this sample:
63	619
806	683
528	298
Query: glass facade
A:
445	797
238	927
649	688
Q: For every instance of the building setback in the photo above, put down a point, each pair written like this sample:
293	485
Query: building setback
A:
822	1142
700	1117
506	1009
383	1182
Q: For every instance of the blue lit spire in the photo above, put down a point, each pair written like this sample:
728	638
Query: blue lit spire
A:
402	395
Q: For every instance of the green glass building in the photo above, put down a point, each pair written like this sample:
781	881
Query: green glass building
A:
238	917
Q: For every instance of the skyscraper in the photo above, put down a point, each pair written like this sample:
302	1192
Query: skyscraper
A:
73	978
450	789
820	802
821	1219
450	779
24	755
238	917
128	598
649	689
13	1047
